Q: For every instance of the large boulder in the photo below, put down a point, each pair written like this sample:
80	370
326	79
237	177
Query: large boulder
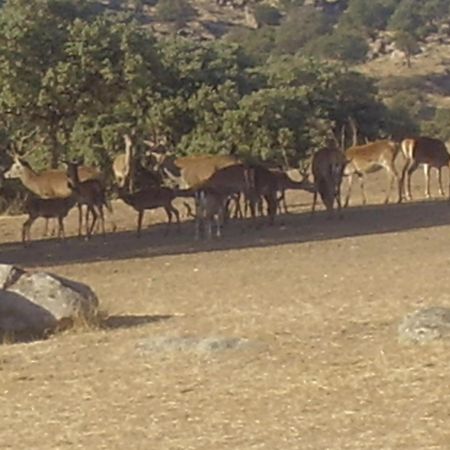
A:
33	304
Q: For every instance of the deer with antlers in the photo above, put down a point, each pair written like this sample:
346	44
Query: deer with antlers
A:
426	151
50	183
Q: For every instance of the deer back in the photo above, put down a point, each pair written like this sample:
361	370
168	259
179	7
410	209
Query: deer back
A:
426	150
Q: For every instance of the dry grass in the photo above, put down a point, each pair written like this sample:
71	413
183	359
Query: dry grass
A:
324	297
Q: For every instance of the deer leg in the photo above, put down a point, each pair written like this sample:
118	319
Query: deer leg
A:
349	190
61	233
441	189
392	176
90	229
426	172
45	233
410	169
177	216
102	218
169	219
361	177
139	222
26	234
80	219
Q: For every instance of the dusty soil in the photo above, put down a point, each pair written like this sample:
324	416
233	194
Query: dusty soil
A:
321	298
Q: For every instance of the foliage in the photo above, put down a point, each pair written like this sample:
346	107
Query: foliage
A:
439	126
407	43
343	45
176	11
267	15
300	26
82	78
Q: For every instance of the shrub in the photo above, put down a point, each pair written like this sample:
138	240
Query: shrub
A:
267	15
177	11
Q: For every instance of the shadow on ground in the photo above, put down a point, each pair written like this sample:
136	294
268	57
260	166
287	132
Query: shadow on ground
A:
290	228
115	322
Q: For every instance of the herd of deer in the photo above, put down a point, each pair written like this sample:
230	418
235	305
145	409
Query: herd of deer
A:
215	181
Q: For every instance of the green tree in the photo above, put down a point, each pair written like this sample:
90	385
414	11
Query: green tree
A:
300	26
176	11
407	43
267	15
344	45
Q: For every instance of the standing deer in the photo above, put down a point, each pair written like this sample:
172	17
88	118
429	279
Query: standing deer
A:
210	208
49	183
368	158
151	198
90	193
428	151
123	165
328	165
47	208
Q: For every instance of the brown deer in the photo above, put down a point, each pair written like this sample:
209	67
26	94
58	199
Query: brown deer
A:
47	208
430	152
327	166
253	181
368	158
123	165
186	172
51	183
151	198
210	209
90	193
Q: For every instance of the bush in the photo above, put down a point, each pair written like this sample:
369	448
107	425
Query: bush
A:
267	15
301	26
343	45
177	11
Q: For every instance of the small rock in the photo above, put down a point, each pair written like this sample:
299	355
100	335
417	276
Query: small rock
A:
193	344
425	325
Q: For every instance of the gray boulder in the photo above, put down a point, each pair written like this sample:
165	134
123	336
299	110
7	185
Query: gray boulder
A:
35	303
425	325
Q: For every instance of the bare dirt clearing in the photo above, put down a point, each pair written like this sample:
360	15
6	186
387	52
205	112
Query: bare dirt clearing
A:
323	298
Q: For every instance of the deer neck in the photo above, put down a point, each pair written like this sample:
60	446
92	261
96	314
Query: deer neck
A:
31	180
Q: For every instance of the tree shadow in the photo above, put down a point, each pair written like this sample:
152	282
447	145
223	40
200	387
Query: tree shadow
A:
290	228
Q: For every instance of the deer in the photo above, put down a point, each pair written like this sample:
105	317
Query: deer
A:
151	198
430	152
368	158
327	166
128	171
89	192
253	181
210	209
47	208
50	183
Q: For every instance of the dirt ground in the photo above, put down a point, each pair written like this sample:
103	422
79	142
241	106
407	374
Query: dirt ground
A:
321	298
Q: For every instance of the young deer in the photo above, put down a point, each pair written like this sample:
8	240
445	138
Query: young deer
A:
209	210
47	208
151	198
90	193
428	151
